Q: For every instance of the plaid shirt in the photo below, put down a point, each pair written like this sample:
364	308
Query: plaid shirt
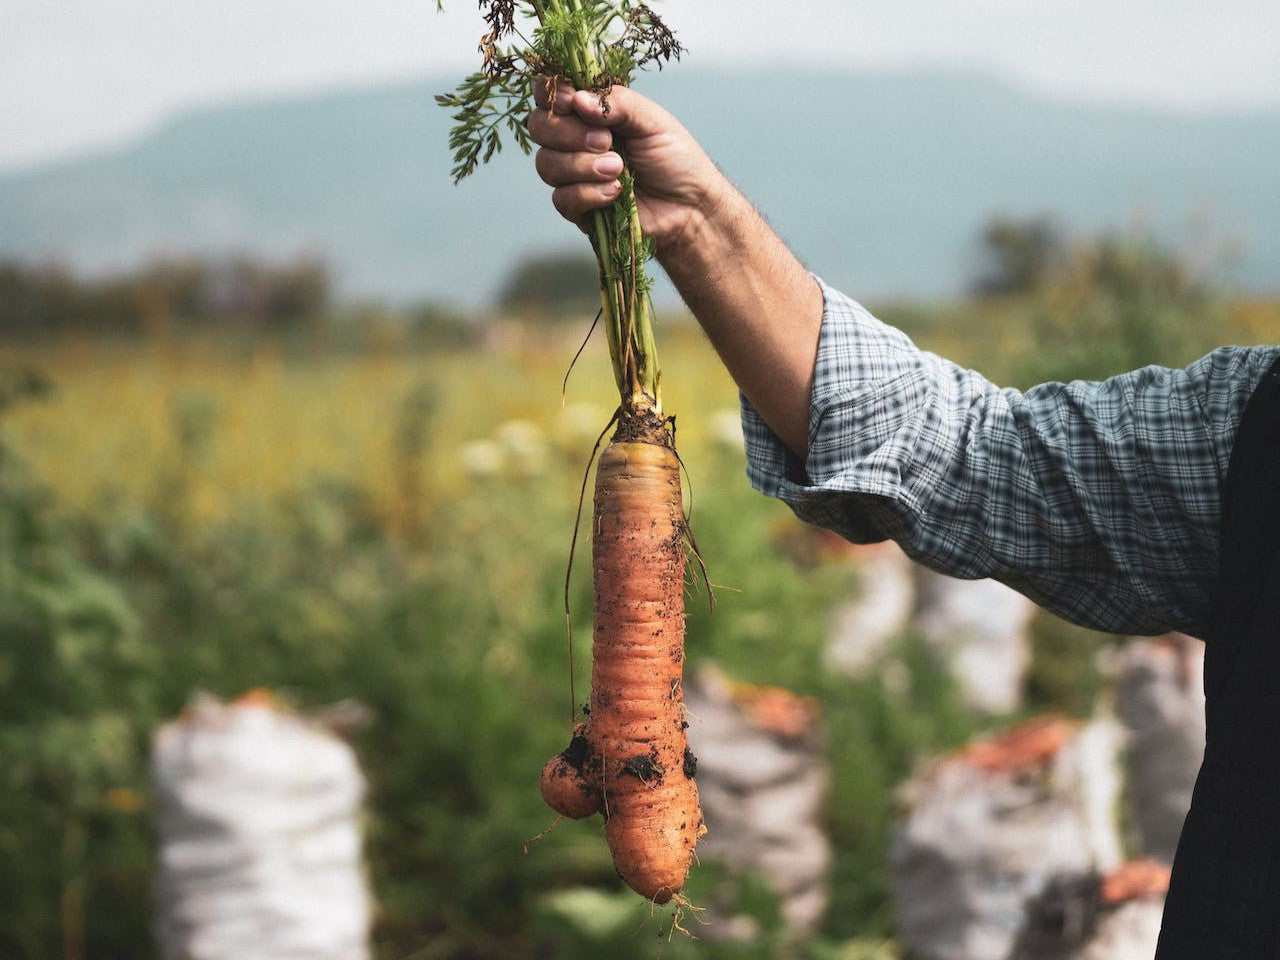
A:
1100	501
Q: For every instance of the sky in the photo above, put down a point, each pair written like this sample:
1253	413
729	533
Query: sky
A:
79	75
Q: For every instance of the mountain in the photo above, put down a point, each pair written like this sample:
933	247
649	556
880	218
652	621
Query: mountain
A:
880	181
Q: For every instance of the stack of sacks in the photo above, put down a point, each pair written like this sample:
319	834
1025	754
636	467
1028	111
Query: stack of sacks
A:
762	780
988	829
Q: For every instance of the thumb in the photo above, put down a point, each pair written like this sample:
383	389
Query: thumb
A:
627	113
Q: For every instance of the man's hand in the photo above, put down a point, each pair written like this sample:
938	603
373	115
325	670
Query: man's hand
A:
677	186
755	300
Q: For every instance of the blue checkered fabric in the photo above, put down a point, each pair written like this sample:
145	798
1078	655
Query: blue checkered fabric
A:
1100	501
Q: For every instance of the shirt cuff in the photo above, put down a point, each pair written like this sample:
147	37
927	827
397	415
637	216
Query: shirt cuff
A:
856	354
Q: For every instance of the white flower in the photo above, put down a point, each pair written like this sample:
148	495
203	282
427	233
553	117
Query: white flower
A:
576	427
481	458
523	445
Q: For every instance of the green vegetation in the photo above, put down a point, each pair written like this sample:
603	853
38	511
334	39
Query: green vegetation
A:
1111	304
368	517
443	615
552	286
42	300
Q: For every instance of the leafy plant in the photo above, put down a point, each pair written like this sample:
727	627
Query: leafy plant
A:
76	703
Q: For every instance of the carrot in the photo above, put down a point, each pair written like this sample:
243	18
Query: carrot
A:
631	760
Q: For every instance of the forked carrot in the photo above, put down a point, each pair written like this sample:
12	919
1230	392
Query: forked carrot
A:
630	759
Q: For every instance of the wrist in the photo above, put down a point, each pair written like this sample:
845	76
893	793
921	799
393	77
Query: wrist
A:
706	227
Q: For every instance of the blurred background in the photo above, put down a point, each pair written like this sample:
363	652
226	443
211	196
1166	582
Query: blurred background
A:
283	410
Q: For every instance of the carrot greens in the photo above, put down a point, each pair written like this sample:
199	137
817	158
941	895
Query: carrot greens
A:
593	44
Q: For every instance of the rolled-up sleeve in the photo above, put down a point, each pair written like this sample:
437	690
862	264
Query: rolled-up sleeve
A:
1100	501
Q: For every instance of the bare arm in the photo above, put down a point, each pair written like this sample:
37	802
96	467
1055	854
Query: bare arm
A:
758	305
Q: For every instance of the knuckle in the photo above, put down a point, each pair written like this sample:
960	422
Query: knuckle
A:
538	86
544	162
537	125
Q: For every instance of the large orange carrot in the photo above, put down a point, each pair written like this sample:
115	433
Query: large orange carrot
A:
630	760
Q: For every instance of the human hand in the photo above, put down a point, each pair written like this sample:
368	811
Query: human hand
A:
758	304
677	186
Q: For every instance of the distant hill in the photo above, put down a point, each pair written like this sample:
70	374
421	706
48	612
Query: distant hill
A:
880	181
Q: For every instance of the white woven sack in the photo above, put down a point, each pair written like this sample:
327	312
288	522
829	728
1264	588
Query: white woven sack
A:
260	850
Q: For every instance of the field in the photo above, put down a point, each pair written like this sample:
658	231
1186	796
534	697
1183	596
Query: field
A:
385	523
388	520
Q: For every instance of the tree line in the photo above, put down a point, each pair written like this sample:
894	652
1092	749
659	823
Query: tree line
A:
49	298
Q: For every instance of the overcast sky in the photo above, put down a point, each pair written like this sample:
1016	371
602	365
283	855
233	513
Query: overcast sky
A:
78	74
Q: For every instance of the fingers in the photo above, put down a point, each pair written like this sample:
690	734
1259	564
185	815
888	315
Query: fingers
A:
627	113
574	131
554	91
567	133
574	155
574	202
582	181
557	168
562	110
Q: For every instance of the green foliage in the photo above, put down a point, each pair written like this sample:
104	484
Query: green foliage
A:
451	629
1126	302
882	729
77	701
21	383
487	107
1065	674
437	326
1019	256
45	300
1099	307
446	619
552	286
764	621
593	43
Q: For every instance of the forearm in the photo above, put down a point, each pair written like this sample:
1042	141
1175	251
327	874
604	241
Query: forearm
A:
757	303
759	306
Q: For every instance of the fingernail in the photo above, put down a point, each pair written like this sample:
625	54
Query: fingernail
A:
610	165
599	140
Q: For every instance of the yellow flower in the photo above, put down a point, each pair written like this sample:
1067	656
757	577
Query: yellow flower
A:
124	800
